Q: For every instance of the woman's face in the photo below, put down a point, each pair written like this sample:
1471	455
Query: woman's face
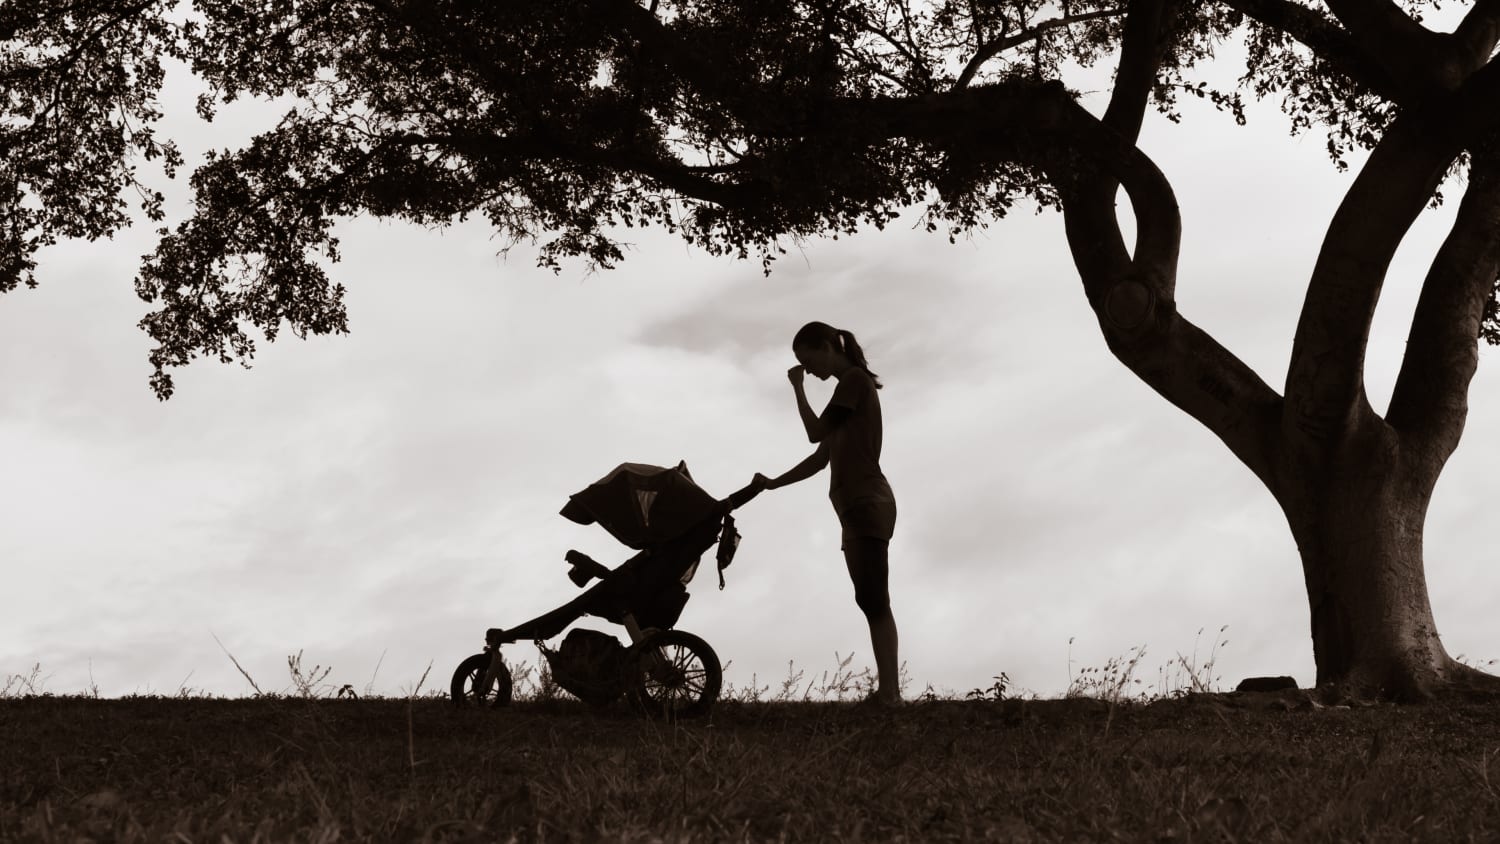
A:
819	361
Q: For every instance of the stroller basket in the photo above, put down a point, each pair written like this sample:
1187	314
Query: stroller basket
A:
589	665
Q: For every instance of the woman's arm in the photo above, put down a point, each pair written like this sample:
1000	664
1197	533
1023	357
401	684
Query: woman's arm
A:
801	472
817	429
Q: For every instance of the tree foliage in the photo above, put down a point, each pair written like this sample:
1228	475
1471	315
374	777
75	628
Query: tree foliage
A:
744	124
739	124
78	86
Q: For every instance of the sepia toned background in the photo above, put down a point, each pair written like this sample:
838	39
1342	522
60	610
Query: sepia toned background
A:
375	501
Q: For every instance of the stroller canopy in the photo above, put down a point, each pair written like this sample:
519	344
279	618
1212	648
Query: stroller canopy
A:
643	505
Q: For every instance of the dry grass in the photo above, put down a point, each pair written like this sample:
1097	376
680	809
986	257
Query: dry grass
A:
1192	768
783	761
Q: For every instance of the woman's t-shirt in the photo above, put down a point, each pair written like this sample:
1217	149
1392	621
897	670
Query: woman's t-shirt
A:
854	446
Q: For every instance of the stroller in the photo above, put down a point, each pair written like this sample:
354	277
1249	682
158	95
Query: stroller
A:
670	673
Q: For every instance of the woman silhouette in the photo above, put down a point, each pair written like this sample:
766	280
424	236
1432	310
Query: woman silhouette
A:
848	434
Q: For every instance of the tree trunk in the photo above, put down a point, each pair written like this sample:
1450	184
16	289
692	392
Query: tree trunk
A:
1353	486
1357	512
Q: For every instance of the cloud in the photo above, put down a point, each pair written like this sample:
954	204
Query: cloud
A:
388	495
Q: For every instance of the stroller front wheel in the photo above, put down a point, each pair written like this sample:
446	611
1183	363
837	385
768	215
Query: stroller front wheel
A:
672	674
467	678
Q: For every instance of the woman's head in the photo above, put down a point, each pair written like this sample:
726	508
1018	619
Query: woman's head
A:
824	351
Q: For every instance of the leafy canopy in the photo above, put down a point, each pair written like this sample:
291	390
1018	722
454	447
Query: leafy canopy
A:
738	124
78	85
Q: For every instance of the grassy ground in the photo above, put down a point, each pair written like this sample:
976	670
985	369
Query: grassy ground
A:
1195	768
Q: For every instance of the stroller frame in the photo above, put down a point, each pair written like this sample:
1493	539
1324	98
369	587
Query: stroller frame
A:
663	672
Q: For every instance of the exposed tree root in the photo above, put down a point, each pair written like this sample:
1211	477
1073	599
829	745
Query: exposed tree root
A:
1468	684
1454	683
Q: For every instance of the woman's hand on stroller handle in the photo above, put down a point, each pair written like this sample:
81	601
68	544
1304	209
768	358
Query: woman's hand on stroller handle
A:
742	496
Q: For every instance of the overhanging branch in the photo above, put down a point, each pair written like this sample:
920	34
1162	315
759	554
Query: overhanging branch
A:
683	178
1324	37
1413	55
1134	295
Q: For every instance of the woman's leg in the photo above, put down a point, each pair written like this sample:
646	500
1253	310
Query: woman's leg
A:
869	568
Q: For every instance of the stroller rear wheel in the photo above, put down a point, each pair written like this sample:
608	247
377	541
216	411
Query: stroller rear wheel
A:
672	674
469	675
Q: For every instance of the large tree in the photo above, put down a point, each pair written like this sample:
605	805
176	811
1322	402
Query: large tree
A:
742	123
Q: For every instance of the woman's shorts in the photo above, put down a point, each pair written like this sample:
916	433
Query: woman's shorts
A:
874	518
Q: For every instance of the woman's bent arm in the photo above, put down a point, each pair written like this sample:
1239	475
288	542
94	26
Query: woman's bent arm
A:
810	422
802	471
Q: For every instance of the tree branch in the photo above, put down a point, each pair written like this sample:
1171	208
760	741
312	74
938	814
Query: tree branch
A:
1324	37
916	62
683	178
1430	401
994	48
1146	280
1325	380
1478	34
1412	54
1134	296
127	12
1158	222
1141	50
1194	372
1477	106
1041	123
1137	313
875	68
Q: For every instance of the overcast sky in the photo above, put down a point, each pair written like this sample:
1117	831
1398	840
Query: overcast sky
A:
382	498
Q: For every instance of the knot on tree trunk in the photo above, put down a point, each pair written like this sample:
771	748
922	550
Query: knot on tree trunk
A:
1129	306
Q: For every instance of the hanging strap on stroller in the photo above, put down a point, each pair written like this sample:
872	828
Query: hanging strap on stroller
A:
729	542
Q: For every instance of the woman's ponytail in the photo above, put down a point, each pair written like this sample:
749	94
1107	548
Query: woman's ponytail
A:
856	354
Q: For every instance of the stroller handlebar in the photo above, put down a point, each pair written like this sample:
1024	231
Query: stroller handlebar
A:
741	497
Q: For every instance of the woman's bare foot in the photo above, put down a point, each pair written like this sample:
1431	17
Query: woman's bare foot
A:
881	700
